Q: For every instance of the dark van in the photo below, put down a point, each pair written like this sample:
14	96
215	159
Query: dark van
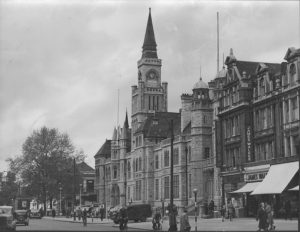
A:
137	213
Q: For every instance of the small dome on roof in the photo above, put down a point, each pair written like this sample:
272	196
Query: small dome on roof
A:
200	84
221	73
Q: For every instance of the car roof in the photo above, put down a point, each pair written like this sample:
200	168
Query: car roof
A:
5	207
20	210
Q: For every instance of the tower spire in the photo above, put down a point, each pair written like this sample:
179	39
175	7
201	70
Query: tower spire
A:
149	46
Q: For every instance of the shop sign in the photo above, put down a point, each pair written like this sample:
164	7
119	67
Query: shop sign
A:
249	143
255	177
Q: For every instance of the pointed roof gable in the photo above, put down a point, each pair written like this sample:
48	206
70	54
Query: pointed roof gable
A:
115	136
149	46
126	125
84	167
105	150
291	53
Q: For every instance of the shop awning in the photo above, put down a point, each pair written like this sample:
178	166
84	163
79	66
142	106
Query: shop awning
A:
295	188
247	188
277	179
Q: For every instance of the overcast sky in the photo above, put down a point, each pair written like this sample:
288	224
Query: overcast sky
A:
62	62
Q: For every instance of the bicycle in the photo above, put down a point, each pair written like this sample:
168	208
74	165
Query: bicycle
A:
157	225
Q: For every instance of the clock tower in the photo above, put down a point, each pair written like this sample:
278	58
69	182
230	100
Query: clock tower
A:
150	95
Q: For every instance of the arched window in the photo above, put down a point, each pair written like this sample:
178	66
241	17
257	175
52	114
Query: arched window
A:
136	165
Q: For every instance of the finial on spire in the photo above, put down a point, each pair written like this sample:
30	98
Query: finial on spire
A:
231	51
149	10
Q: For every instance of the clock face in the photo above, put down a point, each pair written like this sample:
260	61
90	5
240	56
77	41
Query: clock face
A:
152	75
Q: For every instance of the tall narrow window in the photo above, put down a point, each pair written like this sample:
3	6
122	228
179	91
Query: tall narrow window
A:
176	156
149	102
156	162
167	187
206	152
293	76
190	185
156	189
154	103
176	186
157	104
166	158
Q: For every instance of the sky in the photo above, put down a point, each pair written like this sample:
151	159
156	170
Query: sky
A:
63	62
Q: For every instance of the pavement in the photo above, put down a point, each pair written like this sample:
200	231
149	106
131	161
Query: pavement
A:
213	224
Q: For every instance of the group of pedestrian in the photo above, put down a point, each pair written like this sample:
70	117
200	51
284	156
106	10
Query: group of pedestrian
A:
229	209
265	217
81	214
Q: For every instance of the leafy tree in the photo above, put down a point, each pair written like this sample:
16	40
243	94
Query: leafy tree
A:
46	164
9	189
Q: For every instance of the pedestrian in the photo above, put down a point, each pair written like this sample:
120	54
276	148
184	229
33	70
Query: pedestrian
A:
102	212
79	213
53	213
84	217
184	222
230	210
270	220
211	208
287	207
262	218
123	219
223	212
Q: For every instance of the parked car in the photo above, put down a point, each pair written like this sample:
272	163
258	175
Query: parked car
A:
137	213
35	213
7	221
21	217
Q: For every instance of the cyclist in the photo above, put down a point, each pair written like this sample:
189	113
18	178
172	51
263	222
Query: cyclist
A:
123	219
156	225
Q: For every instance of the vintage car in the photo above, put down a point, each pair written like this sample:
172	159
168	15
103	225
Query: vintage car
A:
21	217
138	212
35	213
7	222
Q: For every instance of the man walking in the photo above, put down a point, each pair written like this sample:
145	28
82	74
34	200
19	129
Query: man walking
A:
262	218
184	222
84	217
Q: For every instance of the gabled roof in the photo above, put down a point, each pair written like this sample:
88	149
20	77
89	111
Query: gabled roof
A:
271	67
105	150
84	167
292	52
158	125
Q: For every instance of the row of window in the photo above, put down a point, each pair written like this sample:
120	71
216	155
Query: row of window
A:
231	126
231	96
232	157
153	102
290	108
264	118
264	151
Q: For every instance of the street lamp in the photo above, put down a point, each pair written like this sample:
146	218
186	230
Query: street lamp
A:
195	193
60	189
80	186
172	217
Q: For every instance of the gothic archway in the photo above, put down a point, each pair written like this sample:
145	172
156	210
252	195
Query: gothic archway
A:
115	195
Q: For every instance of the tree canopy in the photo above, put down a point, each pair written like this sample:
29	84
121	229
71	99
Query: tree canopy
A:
46	164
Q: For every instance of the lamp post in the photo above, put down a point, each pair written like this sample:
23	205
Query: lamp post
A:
172	217
186	176
74	198
195	193
60	189
80	186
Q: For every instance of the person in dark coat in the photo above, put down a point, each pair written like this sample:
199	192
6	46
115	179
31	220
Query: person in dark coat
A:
184	222
211	208
262	218
84	217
